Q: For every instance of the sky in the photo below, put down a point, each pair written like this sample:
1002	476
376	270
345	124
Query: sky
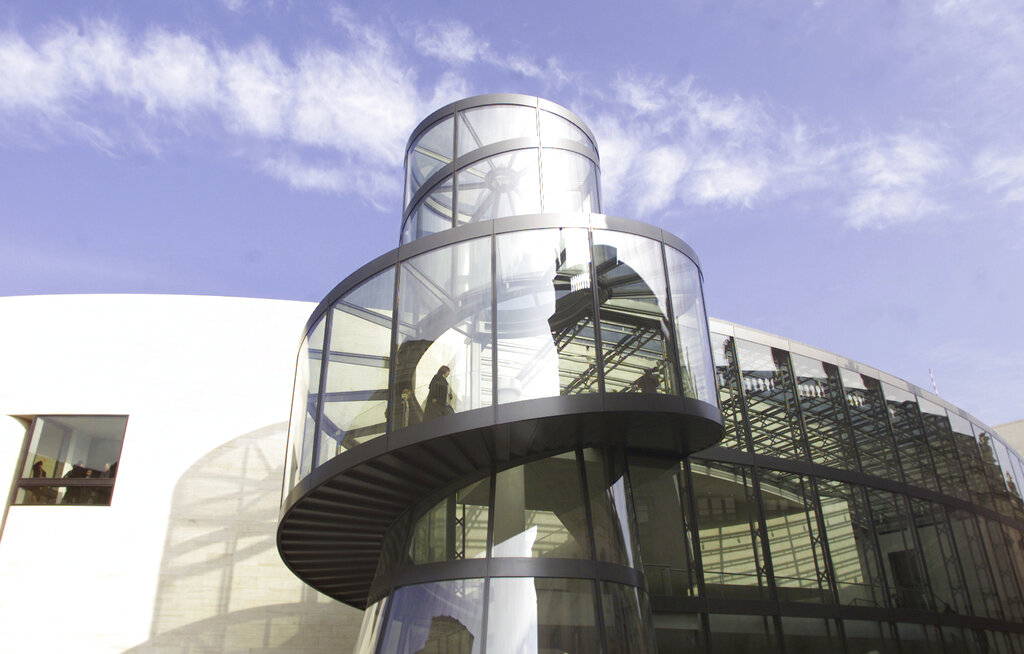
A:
851	174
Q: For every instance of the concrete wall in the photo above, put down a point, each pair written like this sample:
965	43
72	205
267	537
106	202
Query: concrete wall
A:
184	559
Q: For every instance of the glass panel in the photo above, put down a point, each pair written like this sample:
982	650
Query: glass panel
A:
865	637
455	528
635	332
545	315
993	472
367	641
915	455
851	543
810	635
692	345
297	419
1009	488
74	448
428	155
918	638
444	617
668	556
316	353
1013	540
537	616
821	405
866	408
751	634
614	537
355	397
553	126
433	214
971	461
570	182
901	557
486	125
962	640
507	184
998	550
723	349
678	633
539	510
977	570
771	406
626	620
729	532
939	436
948	593
443	355
791	523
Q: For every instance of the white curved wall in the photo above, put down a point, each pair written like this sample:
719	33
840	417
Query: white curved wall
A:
184	558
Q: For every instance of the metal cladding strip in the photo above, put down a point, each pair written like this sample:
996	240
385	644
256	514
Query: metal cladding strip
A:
335	520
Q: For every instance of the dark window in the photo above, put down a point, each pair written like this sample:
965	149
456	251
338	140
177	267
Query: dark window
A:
71	460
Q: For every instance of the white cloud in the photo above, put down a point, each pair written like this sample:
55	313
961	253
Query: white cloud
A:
376	186
894	181
359	104
450	41
1003	174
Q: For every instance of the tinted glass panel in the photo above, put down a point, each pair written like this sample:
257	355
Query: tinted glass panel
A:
443	356
977	569
771	407
866	408
635	331
864	637
553	126
372	617
730	398
355	397
692	344
614	536
445	616
851	543
542	615
660	498
570	182
914	452
821	404
939	436
539	510
486	125
428	155
810	635
316	353
455	528
901	556
971	461
753	634
625	627
948	592
545	315
504	185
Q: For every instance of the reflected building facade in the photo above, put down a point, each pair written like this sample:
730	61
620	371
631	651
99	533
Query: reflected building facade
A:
516	433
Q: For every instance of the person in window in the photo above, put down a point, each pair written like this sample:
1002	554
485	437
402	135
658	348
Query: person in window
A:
41	495
439	395
77	494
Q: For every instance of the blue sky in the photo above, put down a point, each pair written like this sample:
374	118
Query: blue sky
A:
851	174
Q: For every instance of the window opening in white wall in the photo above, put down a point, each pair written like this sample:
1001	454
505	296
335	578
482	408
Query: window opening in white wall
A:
71	460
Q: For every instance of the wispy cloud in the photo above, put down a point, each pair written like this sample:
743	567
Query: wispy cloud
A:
1001	174
358	103
894	181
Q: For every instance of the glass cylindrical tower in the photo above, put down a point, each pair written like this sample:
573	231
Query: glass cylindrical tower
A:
464	404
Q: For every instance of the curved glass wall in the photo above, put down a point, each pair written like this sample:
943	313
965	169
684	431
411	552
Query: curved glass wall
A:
454	340
498	160
878	503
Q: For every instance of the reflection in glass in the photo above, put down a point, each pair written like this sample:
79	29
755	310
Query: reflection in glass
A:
570	182
297	419
444	617
507	184
729	531
545	315
791	524
998	551
65	450
821	405
433	214
1009	484
315	348
635	329
660	498
750	634
614	537
443	354
901	556
625	630
455	528
535	616
851	543
429	154
971	461
539	510
810	635
730	399
691	327
866	408
771	407
366	643
947	590
355	393
866	637
914	453
918	638
939	436
485	125
553	126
